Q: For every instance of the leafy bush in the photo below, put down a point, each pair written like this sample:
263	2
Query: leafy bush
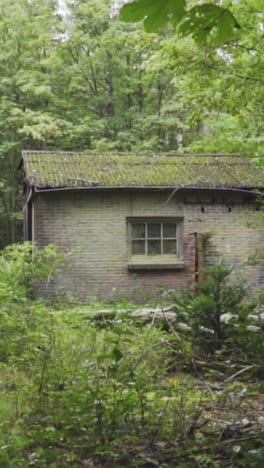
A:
221	315
216	297
21	265
100	389
205	309
20	318
73	388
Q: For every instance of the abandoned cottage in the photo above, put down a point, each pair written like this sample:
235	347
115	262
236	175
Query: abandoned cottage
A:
139	222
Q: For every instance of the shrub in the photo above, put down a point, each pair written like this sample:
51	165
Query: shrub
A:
20	318
205	309
216	297
21	265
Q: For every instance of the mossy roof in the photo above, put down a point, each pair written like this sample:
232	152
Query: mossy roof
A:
50	170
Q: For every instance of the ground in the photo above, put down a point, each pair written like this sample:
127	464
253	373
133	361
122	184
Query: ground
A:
103	389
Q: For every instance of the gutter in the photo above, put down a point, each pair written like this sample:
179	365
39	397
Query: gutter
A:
29	197
253	191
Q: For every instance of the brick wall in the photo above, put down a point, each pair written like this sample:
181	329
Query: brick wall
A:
93	225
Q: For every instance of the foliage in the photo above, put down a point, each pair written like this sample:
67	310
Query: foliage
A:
21	265
217	296
223	318
72	382
202	21
70	388
114	392
20	268
77	79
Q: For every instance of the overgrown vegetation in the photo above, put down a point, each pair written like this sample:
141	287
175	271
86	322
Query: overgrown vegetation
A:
119	391
76	390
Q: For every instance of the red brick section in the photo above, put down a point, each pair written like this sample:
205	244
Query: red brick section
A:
190	252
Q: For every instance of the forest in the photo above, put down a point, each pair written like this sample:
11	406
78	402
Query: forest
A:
97	385
77	79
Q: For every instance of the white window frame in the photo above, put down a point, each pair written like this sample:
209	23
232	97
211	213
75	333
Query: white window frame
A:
162	261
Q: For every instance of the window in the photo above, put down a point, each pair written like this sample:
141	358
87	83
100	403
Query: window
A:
155	241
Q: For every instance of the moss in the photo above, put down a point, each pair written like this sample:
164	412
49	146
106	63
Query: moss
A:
58	169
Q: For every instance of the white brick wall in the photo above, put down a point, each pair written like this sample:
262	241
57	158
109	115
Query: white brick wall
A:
95	223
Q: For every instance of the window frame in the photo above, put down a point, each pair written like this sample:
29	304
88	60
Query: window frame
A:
162	260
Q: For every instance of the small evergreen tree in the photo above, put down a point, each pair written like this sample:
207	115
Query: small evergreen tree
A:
217	296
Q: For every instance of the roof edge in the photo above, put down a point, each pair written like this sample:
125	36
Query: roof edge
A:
249	190
131	153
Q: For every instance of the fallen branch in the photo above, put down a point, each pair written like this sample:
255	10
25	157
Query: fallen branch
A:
241	371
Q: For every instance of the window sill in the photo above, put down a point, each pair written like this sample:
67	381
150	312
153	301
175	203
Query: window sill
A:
164	262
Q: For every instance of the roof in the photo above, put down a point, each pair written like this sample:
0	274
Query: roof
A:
58	170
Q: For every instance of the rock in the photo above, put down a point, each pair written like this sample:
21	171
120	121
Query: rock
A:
253	328
254	317
259	313
104	314
206	330
183	326
227	317
245	423
165	313
123	311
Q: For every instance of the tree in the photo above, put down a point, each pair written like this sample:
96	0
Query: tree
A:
26	29
84	80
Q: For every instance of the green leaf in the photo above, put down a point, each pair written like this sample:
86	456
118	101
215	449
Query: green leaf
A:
202	21
136	11
155	13
225	27
209	20
117	354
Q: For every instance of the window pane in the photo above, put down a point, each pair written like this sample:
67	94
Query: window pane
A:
154	230
138	247
138	230
169	247
169	230
154	247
